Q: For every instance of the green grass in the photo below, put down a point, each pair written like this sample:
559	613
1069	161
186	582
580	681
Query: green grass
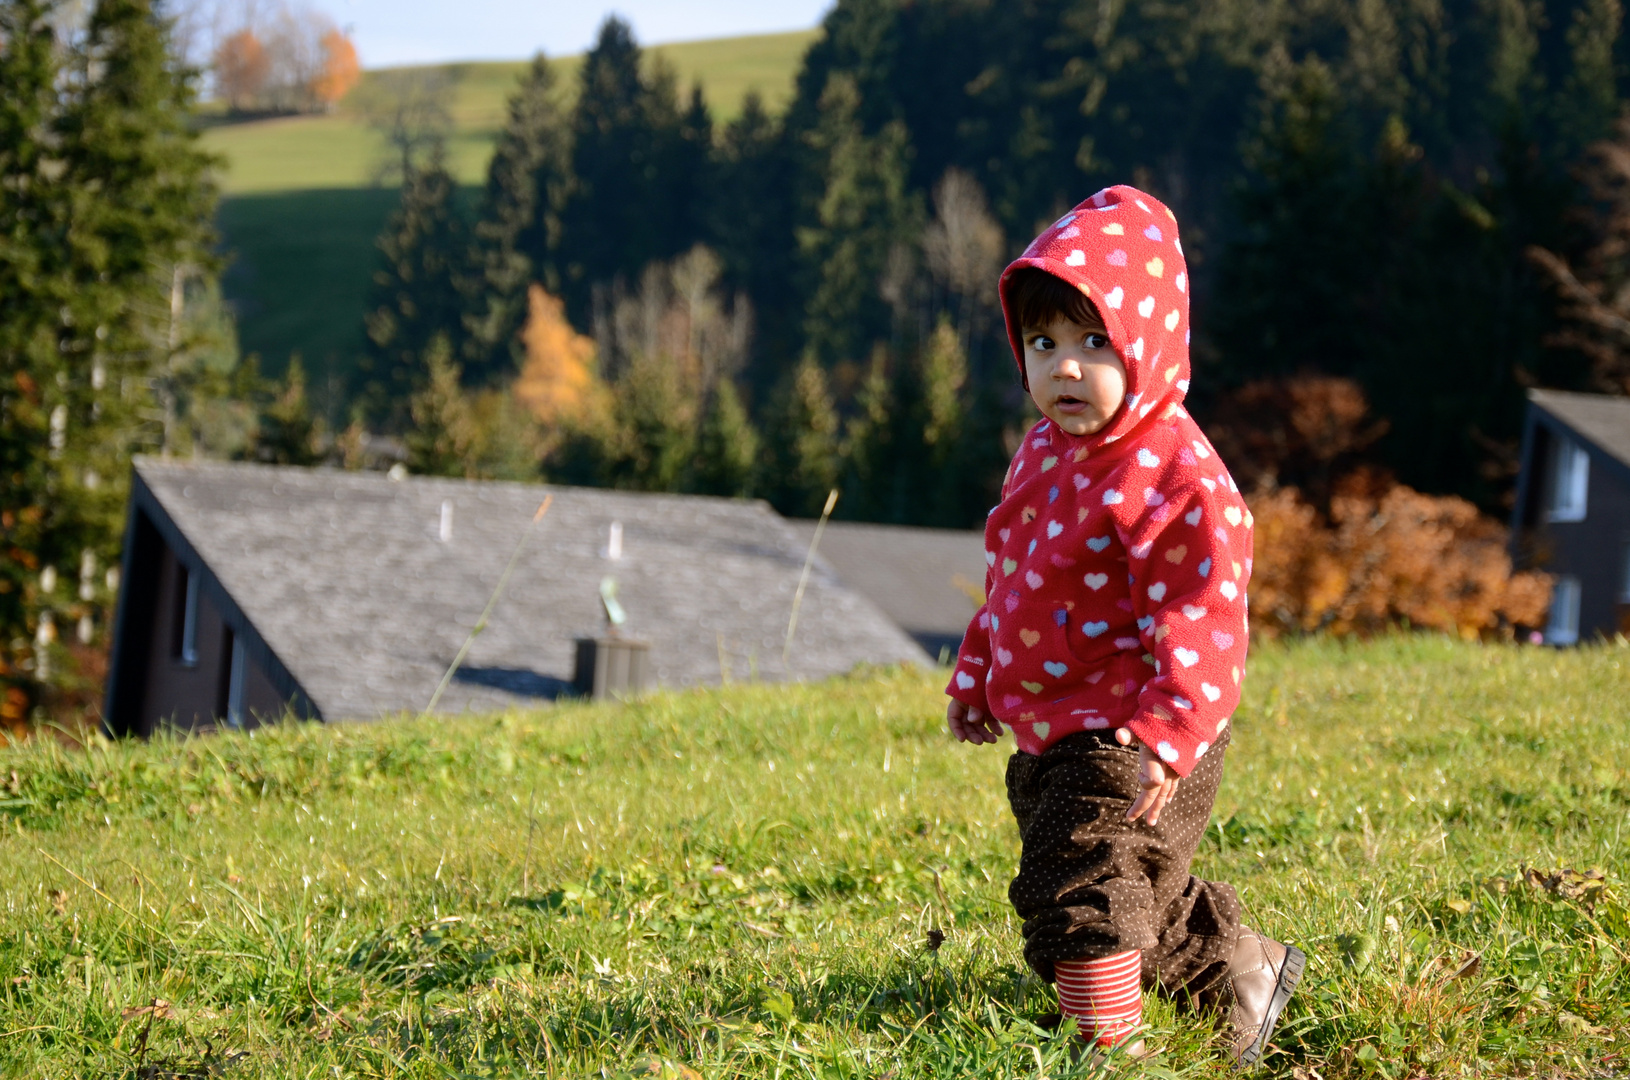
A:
300	274
740	882
302	208
300	270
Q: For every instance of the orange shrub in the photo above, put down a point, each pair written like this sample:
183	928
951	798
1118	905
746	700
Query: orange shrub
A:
1384	557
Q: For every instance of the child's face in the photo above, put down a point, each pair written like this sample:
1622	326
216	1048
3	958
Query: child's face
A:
1076	379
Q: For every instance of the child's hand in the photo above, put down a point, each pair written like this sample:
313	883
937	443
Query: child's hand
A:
1158	785
970	725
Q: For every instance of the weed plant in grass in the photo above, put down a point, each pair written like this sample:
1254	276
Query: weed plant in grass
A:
744	881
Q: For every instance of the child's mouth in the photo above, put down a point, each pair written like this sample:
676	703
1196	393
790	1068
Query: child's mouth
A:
1069	404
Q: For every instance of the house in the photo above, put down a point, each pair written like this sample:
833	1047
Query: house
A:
254	590
929	581
1572	516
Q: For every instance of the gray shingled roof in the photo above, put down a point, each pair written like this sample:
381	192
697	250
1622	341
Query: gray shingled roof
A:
920	577
1602	419
346	579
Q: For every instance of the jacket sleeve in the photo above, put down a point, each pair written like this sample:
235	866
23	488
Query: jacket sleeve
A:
973	663
974	656
1190	562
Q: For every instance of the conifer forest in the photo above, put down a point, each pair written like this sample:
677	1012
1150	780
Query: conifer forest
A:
1399	215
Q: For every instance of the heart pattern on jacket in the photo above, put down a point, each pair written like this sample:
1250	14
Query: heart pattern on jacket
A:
1146	515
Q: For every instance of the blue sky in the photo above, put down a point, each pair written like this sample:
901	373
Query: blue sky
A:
389	32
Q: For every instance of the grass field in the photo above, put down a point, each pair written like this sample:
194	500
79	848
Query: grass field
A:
300	272
302	208
740	882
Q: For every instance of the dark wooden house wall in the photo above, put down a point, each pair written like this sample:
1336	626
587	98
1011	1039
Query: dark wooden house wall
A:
1592	550
151	685
193	695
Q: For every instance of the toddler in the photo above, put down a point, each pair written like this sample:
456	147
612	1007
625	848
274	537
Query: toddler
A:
1112	640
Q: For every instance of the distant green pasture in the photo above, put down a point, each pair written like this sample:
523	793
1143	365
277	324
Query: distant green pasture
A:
742	881
303	202
300	270
339	150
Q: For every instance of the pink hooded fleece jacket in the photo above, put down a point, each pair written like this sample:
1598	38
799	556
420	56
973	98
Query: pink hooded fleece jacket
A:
1117	561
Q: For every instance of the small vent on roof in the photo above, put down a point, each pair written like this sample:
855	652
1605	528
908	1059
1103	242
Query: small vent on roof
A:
446	520
614	542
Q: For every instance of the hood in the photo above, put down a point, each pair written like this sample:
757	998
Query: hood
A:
1120	247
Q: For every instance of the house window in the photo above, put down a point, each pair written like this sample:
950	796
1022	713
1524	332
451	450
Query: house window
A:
229	698
184	639
1624	575
1570	478
1563	628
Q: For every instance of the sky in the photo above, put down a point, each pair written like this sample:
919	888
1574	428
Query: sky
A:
391	32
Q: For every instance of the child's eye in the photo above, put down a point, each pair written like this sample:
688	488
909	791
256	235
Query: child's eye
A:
1097	341
1041	343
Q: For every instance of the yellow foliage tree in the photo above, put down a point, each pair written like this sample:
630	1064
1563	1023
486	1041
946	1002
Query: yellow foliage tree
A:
557	382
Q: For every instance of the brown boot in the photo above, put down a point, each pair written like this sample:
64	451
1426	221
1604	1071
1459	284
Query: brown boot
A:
1260	979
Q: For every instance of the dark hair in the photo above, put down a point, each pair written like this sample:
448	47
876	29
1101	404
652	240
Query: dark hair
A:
1036	298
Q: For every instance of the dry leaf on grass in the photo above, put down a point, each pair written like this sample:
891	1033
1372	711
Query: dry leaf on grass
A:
1579	1024
159	1008
1568	883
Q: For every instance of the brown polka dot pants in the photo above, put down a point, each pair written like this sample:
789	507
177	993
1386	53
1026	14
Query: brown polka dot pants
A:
1092	884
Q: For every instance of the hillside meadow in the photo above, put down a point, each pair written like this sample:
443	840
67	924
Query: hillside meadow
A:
302	202
752	881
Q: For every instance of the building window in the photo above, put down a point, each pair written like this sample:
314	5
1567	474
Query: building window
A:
1563	628
234	685
229	696
184	639
1570	479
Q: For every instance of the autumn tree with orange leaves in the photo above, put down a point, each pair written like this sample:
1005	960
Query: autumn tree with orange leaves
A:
290	59
340	70
242	67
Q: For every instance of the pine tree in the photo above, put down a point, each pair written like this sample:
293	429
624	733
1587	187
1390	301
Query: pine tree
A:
604	224
633	163
442	437
416	294
517	233
34	285
869	450
654	408
942	416
106	199
801	442
864	210
749	222
1590	98
727	446
287	433
688	176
